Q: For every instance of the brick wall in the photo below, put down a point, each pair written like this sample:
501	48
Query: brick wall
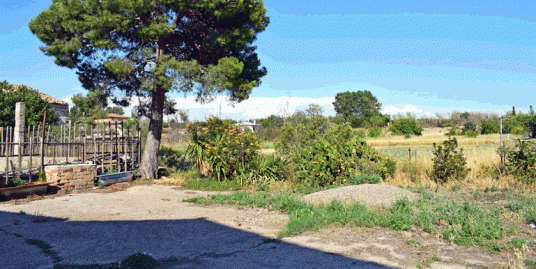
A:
71	176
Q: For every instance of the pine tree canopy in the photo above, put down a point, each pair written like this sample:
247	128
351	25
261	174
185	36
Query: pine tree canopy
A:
130	48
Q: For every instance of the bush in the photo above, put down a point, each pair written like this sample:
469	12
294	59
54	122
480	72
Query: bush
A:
220	148
170	158
325	158
519	124
452	132
521	161
448	163
375	131
405	127
490	126
469	126
471	134
364	179
262	170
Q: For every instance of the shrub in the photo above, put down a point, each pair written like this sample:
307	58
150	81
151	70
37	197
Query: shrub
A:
262	170
448	162
490	126
452	132
364	179
220	148
405	126
333	156
375	131
521	161
170	158
16	182
469	126
471	134
519	124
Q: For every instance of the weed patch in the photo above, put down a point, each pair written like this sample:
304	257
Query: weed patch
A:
461	222
210	184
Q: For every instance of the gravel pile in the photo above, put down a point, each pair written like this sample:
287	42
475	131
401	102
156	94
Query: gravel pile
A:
369	194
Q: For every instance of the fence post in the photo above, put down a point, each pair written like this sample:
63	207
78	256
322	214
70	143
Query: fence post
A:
43	143
7	152
138	143
30	166
111	146
502	155
19	126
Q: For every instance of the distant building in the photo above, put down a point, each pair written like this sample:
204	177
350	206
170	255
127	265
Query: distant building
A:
248	125
112	118
62	107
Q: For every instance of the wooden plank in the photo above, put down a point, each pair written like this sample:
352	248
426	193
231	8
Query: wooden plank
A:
2	141
31	154
117	148
111	150
7	151
102	152
69	141
138	143
129	145
123	145
93	138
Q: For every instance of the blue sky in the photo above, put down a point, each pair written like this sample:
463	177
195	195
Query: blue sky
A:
414	56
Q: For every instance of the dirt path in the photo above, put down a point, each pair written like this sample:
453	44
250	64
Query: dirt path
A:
87	228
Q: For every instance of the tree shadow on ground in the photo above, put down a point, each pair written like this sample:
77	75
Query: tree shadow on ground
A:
32	241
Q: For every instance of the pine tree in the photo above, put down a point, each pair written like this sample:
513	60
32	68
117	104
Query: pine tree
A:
148	48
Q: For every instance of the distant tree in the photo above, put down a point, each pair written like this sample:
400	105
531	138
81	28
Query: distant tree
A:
184	115
513	111
93	105
360	103
35	106
115	110
314	110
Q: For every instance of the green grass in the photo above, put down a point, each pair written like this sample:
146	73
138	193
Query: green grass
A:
210	184
463	222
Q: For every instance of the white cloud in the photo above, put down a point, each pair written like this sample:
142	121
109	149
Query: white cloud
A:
392	110
254	107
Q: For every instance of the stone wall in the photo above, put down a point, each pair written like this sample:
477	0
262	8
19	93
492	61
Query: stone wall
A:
71	176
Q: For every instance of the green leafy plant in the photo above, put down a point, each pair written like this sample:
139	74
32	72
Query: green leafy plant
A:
470	133
16	182
405	126
375	131
220	148
364	179
42	176
325	156
520	160
171	158
448	162
490	126
469	126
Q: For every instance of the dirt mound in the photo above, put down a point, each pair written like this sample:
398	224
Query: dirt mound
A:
369	194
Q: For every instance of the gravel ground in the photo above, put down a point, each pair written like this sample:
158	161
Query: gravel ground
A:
107	225
369	194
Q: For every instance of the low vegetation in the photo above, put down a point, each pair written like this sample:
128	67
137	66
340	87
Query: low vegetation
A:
462	221
460	176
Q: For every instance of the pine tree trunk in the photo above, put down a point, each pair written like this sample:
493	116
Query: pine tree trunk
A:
149	161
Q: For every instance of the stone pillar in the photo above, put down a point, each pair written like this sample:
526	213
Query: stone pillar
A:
19	125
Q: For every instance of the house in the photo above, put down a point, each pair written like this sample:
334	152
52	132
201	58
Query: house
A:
113	118
62	107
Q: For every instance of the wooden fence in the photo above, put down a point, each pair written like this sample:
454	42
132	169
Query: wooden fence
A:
111	146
